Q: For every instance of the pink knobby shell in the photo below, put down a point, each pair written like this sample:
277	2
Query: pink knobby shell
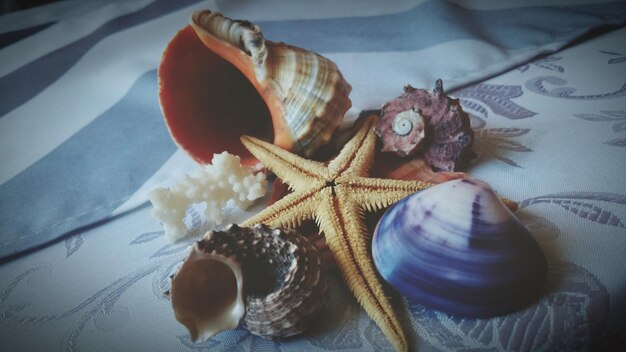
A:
432	124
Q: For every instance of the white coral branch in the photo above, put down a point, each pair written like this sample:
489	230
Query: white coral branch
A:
224	181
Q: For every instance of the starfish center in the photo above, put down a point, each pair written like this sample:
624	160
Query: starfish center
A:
330	183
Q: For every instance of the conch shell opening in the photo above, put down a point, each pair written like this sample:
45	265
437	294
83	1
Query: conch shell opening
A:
207	102
219	79
207	295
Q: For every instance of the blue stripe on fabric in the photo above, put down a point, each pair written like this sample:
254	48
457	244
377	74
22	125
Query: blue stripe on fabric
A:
87	177
24	83
427	24
9	38
437	22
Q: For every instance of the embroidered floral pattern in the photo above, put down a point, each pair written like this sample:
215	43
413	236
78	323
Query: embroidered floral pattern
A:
497	97
591	206
615	60
100	308
618	116
495	143
538	85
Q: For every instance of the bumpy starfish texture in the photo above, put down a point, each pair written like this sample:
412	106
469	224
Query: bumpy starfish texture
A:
336	197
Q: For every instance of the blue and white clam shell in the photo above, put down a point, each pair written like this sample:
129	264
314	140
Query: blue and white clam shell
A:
456	248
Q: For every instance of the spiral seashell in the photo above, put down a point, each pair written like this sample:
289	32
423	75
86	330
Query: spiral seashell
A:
220	79
408	121
272	280
438	127
456	248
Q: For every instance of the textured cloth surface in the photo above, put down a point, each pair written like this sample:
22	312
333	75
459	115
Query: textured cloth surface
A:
81	133
550	134
83	139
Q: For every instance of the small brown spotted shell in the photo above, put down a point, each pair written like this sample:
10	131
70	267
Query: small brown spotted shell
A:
271	280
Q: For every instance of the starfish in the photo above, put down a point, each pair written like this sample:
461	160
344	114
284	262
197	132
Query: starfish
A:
336	197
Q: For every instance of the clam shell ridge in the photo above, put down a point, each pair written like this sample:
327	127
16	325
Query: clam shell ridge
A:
456	248
305	93
271	280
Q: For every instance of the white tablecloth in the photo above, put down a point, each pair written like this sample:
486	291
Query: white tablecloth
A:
82	140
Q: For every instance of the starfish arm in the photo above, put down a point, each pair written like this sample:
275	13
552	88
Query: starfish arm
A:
377	193
357	155
289	211
297	172
340	220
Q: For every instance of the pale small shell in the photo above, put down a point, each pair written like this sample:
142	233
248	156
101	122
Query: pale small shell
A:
407	121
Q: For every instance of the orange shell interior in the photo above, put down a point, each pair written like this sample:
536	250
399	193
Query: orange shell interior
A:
207	103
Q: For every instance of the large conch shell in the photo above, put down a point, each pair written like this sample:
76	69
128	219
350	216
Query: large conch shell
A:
272	280
220	79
